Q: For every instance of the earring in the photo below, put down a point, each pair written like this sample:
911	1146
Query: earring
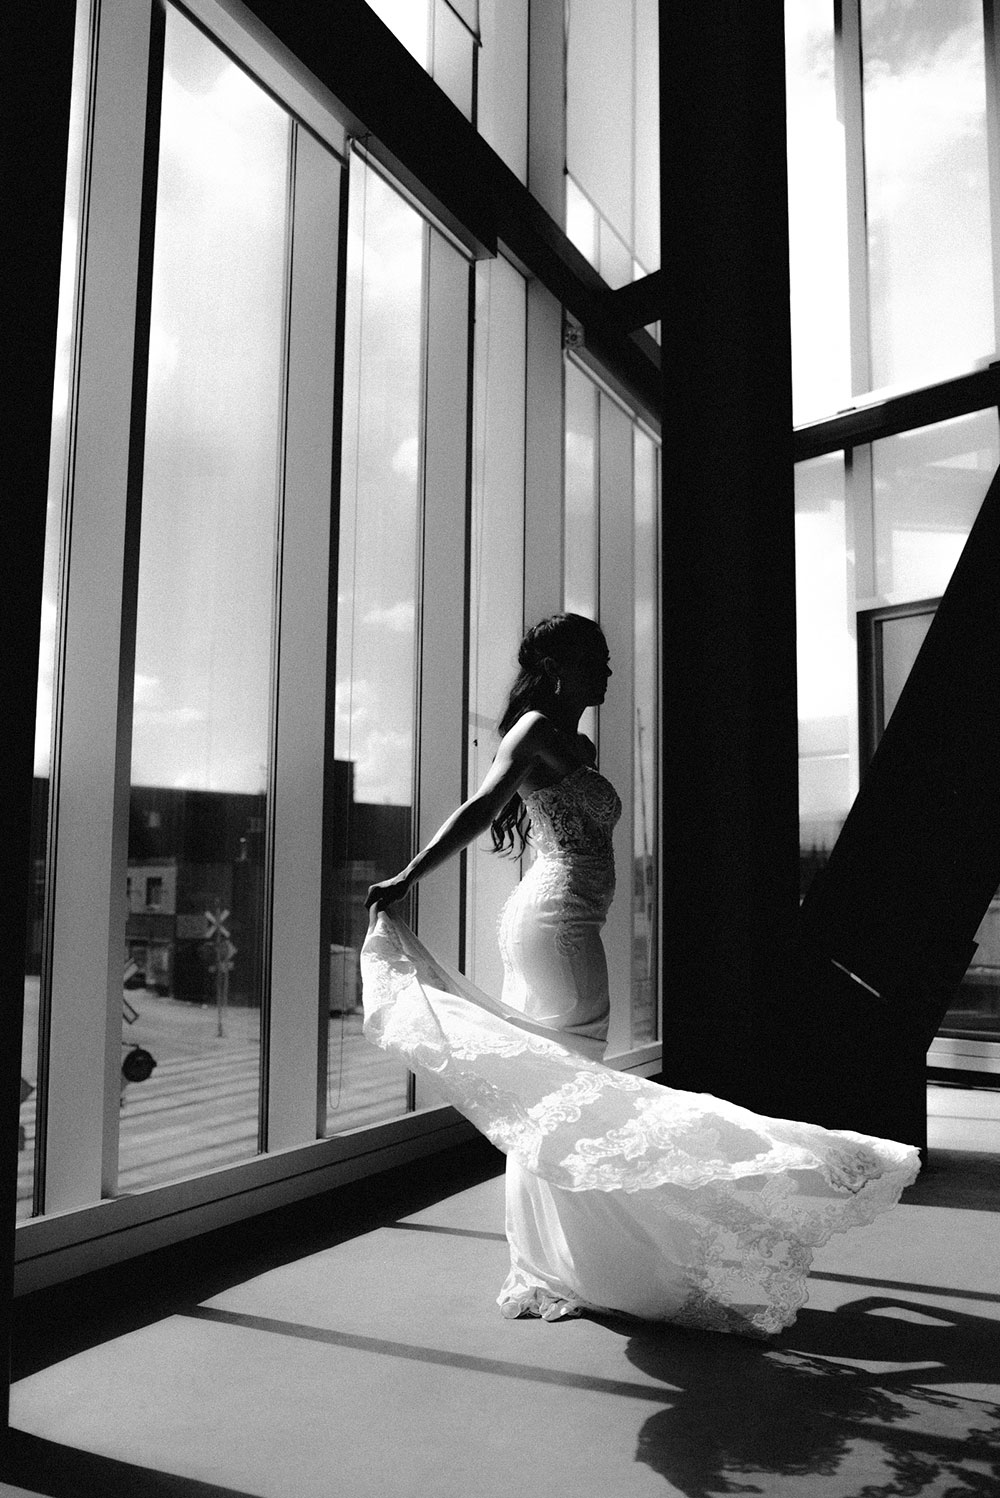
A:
558	686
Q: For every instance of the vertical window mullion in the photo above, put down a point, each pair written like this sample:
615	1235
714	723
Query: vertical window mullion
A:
616	595
495	583
298	970
544	446
90	773
441	738
861	583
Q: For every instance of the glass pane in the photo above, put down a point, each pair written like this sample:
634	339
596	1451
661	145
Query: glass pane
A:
582	222
200	738
600	149
496	580
817	214
616	264
502	81
977	1007
35	982
409	21
645	1017
827	669
453	57
976	1010
580	514
901	641
927	181
376	616
646	237
928	486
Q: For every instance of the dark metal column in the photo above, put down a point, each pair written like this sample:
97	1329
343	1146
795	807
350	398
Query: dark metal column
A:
729	689
37	76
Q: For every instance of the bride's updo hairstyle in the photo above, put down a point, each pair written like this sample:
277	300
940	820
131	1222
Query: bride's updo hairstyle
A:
561	638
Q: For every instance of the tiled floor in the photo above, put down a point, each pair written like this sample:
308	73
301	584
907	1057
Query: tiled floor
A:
380	1366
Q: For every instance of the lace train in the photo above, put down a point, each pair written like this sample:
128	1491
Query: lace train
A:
630	1196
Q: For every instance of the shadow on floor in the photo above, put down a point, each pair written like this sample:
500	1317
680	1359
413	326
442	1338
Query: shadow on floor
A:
956	1178
796	1406
63	1472
52	1324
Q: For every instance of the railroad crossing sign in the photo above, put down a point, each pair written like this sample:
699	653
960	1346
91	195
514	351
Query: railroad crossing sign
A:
215	923
217	932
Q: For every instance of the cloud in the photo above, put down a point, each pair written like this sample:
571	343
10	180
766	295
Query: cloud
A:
406	459
397	617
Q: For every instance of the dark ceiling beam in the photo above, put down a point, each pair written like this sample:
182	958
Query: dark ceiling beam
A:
409	125
638	304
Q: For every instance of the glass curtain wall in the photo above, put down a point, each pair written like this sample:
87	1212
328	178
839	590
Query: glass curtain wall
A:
218	1015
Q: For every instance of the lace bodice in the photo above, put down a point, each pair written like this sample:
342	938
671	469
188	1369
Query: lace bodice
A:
571	829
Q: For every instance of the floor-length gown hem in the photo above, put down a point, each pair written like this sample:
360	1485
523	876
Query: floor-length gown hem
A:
622	1196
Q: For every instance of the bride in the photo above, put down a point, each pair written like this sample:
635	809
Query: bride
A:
621	1195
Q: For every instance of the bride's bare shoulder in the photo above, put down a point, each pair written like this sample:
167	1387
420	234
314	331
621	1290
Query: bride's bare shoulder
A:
533	734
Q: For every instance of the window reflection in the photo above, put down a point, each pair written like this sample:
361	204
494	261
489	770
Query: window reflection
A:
376	617
200	736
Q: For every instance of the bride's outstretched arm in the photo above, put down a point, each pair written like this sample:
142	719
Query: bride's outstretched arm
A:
519	751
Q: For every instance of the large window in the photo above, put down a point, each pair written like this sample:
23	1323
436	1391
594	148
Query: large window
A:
880	525
878	532
895	268
306	491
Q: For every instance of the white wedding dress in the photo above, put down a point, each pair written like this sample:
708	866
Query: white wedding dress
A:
622	1195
